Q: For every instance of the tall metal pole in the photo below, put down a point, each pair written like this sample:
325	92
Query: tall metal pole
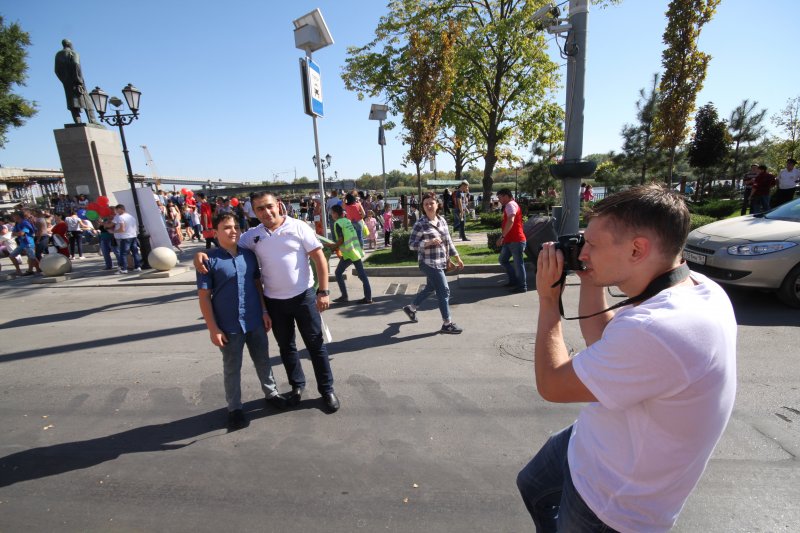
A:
320	177
381	137
575	47
144	236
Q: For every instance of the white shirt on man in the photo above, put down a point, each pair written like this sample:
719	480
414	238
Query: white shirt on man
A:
664	375
787	179
125	226
283	257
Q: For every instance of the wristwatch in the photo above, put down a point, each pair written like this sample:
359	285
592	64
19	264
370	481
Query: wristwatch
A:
325	292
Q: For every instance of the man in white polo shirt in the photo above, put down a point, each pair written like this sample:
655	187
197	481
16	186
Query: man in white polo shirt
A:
284	246
788	178
125	228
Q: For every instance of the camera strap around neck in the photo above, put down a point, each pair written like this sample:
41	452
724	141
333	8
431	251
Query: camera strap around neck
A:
664	281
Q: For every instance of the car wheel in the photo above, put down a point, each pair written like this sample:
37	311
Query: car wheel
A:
789	293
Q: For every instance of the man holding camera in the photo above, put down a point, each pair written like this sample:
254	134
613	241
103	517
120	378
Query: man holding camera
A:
659	373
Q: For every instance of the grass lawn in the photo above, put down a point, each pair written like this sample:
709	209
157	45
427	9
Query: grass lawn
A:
471	255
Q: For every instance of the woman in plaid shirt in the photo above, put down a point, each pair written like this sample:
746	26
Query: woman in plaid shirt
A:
431	238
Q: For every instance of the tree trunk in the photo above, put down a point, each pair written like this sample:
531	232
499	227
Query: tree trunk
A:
490	160
671	165
419	186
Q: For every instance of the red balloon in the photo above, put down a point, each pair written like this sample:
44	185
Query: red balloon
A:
183	191
189	194
104	211
234	202
93	206
102	200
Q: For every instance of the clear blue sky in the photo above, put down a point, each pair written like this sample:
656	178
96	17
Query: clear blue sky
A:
221	90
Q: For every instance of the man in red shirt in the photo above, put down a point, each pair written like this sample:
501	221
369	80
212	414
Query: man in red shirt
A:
205	220
761	187
513	242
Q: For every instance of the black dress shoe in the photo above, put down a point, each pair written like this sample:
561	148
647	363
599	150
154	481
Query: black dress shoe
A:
278	402
340	300
237	420
331	401
293	398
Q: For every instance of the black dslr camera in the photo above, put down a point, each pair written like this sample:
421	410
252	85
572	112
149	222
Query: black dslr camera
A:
571	246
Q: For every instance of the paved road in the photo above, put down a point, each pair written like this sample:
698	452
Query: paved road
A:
113	418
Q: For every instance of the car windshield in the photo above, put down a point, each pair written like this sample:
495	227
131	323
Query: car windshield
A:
787	211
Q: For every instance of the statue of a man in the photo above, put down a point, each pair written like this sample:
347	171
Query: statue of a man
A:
68	70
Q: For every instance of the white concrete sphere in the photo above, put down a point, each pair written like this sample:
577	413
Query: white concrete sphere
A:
55	265
162	258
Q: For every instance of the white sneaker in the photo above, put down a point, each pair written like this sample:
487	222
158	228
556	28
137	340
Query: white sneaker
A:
137	269
81	257
123	271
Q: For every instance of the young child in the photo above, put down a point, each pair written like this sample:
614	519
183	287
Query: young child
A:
233	271
194	222
388	219
372	226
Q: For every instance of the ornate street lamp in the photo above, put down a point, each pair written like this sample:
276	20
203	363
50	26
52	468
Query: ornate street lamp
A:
100	101
325	164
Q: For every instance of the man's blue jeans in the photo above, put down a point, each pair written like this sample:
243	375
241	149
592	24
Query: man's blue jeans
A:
302	310
760	204
343	264
437	281
106	248
547	491
126	245
358	225
516	272
258	347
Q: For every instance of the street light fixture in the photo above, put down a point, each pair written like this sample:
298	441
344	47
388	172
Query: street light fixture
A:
100	101
325	163
378	112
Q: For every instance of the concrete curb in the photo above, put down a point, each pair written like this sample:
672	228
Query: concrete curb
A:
413	271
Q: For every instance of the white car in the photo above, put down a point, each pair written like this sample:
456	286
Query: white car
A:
759	251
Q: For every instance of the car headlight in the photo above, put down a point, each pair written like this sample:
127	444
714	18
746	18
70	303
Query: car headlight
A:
760	248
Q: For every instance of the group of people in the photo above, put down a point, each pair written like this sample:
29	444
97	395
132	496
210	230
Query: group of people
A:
758	186
658	373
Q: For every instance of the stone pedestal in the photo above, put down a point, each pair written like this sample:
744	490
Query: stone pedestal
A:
92	160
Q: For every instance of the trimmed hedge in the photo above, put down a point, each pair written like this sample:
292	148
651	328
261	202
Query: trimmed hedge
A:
695	221
491	239
400	249
493	220
716	208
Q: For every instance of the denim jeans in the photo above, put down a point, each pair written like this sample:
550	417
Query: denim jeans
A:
359	227
436	282
42	245
459	223
302	310
126	245
106	248
258	347
760	204
75	240
516	272
362	274
545	485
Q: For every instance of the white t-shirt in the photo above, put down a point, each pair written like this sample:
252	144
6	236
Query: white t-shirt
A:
248	209
73	223
283	257
130	225
788	179
664	375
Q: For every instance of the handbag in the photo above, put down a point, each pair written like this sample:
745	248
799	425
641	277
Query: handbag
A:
451	266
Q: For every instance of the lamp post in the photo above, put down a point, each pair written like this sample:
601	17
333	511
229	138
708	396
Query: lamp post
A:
325	163
378	112
100	101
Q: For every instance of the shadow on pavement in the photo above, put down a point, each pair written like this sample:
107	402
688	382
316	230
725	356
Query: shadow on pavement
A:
98	343
57	459
82	313
761	308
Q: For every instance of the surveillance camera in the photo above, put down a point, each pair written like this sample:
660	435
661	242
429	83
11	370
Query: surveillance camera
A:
542	12
561	28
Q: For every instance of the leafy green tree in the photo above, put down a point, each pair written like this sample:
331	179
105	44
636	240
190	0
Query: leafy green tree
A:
788	119
14	109
504	74
638	153
745	129
684	72
429	88
710	142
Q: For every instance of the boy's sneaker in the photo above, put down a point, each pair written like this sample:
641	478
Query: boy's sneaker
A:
121	271
412	315
236	420
137	269
451	328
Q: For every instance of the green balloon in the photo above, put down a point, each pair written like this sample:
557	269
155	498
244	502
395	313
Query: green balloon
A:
92	215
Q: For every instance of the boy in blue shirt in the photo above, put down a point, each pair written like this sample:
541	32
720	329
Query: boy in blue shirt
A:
235	314
24	233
